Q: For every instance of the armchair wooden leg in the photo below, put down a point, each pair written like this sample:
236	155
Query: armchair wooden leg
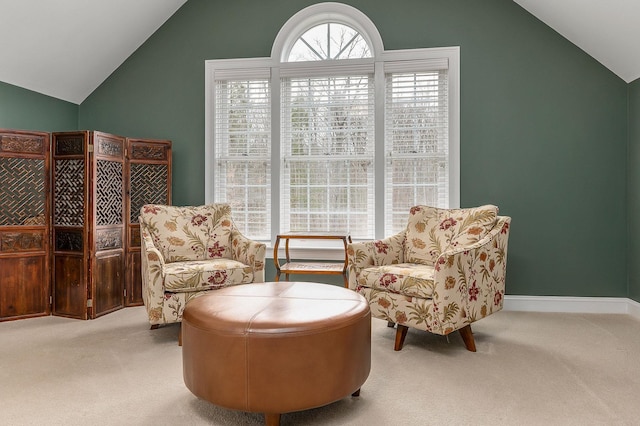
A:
154	327
467	338
391	324
401	333
180	335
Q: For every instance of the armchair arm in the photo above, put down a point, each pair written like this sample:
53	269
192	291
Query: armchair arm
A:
372	253
152	275
469	282
249	252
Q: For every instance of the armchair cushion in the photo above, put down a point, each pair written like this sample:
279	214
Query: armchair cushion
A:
197	275
409	279
432	231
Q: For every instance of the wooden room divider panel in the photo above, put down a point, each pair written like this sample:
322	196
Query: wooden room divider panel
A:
148	173
88	223
24	224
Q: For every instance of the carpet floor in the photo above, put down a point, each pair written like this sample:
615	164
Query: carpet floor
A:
530	369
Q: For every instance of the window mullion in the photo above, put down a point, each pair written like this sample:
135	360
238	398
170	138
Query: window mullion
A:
276	154
380	158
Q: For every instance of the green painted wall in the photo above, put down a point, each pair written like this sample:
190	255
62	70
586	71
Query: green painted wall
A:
634	190
27	110
543	125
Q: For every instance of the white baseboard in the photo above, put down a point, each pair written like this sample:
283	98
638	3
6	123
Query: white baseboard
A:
593	305
634	308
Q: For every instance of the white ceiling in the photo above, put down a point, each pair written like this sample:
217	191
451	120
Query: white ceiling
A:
67	48
608	30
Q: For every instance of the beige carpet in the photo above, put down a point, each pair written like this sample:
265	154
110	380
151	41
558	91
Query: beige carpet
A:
530	369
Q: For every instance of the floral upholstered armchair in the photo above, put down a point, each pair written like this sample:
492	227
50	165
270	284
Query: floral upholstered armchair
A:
445	271
188	251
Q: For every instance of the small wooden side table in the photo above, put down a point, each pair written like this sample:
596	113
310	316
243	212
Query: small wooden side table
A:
310	267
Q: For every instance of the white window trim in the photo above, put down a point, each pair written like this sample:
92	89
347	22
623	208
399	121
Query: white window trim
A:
287	35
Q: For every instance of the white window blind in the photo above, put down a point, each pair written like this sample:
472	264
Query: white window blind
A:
242	150
416	138
327	154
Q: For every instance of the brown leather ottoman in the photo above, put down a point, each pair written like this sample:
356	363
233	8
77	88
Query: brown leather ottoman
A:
275	348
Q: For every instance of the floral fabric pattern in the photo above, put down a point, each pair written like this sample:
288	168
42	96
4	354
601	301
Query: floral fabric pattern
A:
432	231
410	279
190	233
462	284
205	275
188	251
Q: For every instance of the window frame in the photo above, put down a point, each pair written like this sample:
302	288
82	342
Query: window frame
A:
287	36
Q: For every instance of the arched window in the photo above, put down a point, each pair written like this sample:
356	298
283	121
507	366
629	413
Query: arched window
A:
329	28
332	132
330	40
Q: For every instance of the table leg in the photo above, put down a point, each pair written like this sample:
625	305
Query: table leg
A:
272	419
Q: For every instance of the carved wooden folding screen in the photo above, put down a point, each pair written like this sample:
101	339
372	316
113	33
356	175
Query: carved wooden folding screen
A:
24	224
148	171
88	223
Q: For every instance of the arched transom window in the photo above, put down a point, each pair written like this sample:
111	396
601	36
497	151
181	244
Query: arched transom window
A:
330	40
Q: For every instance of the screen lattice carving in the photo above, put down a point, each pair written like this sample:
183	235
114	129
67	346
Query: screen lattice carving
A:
22	191
150	183
109	193
69	192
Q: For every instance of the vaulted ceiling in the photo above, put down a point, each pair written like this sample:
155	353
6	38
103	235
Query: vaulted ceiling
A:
67	48
606	30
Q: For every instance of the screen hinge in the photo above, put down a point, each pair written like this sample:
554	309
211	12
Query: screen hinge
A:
89	303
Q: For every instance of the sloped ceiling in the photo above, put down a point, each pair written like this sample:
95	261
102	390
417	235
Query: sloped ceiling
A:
608	30
67	48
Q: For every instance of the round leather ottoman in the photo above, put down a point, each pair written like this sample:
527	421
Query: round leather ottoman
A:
275	348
